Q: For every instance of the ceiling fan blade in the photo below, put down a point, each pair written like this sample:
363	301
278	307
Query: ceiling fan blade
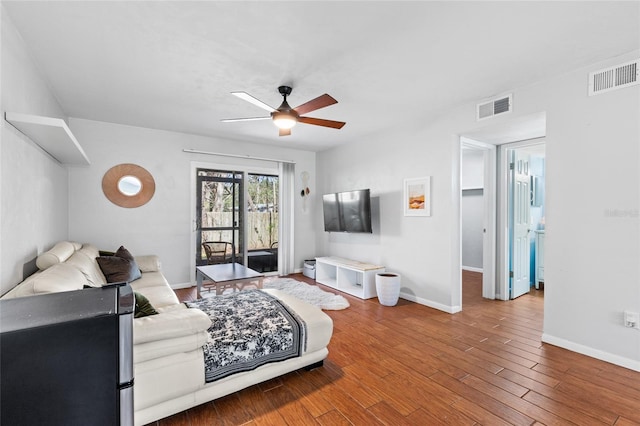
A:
231	120
257	102
285	132
314	104
321	122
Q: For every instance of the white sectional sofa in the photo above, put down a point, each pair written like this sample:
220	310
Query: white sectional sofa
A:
168	347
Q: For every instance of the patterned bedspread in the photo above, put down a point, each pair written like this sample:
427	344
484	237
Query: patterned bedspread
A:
249	328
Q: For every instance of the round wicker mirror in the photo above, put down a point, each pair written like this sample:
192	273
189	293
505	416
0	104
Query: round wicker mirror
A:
128	185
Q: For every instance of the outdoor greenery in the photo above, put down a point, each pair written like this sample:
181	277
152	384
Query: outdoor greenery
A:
262	208
262	216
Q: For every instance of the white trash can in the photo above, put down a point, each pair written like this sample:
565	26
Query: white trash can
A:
388	288
309	269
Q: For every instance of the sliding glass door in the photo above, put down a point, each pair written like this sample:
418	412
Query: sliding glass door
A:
219	217
237	218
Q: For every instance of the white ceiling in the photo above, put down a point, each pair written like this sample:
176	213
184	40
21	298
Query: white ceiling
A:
172	64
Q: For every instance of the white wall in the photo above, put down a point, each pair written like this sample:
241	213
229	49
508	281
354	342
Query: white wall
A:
416	247
592	271
163	226
472	220
592	201
33	186
472	172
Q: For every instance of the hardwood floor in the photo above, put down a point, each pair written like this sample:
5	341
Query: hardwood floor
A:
412	365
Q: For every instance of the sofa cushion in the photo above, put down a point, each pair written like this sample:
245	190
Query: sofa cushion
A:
57	278
149	263
57	254
90	250
143	308
95	277
154	287
89	268
169	325
160	348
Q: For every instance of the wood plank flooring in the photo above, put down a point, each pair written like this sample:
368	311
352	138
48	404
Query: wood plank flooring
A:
412	365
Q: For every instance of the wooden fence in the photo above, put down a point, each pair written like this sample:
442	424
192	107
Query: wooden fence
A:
262	228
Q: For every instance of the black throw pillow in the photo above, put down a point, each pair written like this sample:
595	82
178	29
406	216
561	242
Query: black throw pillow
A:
124	253
143	306
121	267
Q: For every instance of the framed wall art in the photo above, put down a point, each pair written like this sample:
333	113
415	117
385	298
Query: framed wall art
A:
417	196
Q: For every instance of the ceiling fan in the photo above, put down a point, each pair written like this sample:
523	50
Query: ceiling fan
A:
285	117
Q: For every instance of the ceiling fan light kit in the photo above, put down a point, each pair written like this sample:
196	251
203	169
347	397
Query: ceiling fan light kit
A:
285	117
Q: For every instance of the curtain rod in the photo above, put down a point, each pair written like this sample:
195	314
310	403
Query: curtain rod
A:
195	151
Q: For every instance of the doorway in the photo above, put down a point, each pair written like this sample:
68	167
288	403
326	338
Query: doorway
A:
529	130
478	214
525	173
220	216
237	216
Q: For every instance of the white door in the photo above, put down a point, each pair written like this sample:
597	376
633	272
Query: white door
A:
521	217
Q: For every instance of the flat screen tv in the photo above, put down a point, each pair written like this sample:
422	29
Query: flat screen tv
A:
348	211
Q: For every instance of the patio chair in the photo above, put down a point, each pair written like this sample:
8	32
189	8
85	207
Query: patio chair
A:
218	252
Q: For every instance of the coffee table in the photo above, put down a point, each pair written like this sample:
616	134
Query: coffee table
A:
227	275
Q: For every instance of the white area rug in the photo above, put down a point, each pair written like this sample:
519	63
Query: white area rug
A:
309	293
303	291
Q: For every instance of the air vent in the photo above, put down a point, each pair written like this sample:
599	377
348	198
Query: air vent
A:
613	78
493	107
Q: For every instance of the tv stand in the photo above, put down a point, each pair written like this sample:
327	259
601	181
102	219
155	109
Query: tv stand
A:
350	276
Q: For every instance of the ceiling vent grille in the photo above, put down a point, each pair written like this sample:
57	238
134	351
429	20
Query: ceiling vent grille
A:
494	107
613	78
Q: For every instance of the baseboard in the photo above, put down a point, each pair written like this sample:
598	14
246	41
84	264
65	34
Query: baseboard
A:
182	285
593	353
471	269
431	303
406	296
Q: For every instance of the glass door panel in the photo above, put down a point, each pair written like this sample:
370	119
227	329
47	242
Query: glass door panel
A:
220	217
262	222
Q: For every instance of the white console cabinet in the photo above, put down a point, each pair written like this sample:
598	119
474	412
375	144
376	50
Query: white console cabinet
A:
350	276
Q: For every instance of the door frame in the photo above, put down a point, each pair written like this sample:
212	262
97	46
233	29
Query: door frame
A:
525	130
495	212
503	211
489	215
194	166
